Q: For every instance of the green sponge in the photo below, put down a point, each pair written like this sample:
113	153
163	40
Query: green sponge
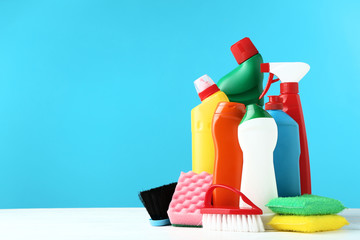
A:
305	205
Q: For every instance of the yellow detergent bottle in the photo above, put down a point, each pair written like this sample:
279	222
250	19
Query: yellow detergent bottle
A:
203	152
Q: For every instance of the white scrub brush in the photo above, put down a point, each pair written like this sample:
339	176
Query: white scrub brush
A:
231	218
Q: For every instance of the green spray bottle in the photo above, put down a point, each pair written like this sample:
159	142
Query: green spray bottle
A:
257	132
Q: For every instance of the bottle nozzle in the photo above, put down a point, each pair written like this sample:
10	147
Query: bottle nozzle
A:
265	67
205	87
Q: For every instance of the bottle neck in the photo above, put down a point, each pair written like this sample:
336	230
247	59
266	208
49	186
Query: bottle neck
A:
289	88
274	103
255	111
231	109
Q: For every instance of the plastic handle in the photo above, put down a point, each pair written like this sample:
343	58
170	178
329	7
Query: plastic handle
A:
208	195
271	80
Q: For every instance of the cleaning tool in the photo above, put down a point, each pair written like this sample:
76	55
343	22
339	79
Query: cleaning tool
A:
287	150
203	153
308	224
305	205
290	73
188	199
237	219
156	201
244	83
228	154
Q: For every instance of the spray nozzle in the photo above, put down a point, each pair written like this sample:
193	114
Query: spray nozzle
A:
285	71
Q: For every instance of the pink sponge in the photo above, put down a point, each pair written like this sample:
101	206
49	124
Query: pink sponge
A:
188	199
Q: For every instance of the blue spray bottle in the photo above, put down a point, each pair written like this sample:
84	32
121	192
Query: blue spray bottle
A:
287	150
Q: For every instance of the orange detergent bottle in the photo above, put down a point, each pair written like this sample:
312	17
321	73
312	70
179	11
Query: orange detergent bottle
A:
228	154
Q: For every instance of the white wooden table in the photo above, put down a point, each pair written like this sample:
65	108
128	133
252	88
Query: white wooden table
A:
132	223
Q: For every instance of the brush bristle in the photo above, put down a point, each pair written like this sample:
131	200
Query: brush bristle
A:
233	222
157	200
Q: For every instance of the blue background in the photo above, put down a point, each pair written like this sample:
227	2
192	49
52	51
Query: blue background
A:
95	96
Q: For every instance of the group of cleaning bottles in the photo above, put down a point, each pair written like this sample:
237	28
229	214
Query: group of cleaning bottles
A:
250	165
262	153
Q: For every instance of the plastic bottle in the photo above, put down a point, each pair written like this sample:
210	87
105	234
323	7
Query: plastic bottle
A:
246	80
290	73
203	153
287	150
257	137
228	154
257	132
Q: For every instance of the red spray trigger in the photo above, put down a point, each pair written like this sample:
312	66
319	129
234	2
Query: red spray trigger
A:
265	67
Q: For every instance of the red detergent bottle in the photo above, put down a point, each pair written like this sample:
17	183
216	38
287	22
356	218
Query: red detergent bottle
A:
290	73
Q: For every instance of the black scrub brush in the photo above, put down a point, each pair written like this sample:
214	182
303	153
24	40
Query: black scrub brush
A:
157	201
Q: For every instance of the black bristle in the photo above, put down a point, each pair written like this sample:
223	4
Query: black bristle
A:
157	200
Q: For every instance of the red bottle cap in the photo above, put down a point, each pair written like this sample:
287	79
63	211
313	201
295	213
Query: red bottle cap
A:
274	103
243	50
208	92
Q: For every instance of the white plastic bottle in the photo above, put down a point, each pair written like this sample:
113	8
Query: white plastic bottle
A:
258	134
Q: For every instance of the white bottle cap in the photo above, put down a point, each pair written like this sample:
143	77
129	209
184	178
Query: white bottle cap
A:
205	87
203	83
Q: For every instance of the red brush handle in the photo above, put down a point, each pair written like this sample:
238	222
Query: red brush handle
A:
208	195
